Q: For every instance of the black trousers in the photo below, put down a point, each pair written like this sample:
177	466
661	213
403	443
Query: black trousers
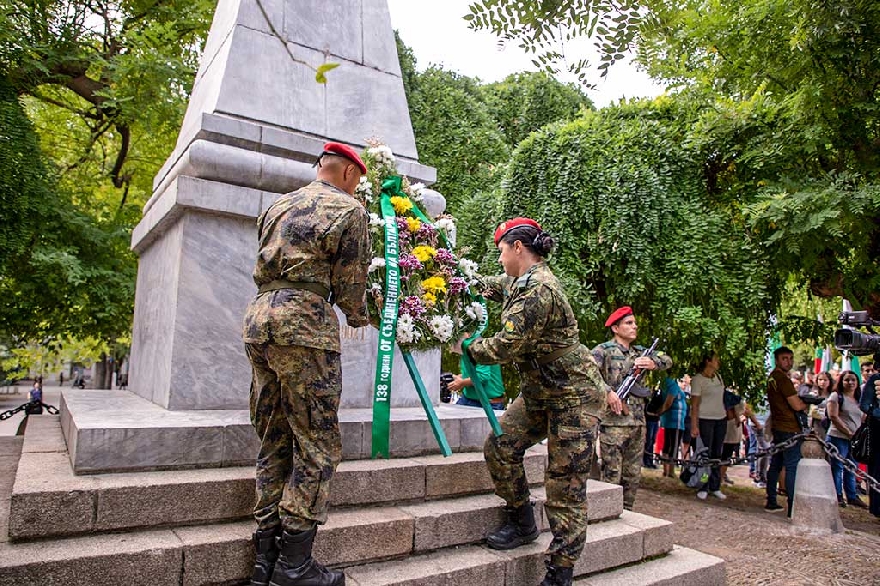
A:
712	432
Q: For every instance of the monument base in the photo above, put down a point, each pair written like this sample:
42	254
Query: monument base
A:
118	431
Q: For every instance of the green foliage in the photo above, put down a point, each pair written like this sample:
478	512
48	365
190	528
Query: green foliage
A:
796	127
623	192
542	28
62	270
525	102
455	133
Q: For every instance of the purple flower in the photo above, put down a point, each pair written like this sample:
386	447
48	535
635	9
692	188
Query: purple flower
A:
402	226
409	263
413	306
443	256
457	285
427	233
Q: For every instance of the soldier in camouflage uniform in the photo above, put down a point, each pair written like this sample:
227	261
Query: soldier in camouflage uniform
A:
622	437
562	396
314	252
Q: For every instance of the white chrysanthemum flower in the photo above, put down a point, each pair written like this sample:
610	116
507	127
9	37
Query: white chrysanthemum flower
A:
417	191
406	332
468	267
364	189
445	224
376	220
376	263
441	326
474	311
383	154
376	288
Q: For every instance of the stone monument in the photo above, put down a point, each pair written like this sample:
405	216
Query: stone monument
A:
256	122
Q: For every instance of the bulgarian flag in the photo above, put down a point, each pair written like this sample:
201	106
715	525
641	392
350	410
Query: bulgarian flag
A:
822	362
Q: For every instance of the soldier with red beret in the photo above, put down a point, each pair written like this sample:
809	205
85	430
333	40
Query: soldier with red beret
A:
562	397
622	436
314	251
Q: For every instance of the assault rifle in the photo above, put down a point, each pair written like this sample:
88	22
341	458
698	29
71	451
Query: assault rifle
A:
636	375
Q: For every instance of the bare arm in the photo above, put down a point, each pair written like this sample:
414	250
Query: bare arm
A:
796	403
695	415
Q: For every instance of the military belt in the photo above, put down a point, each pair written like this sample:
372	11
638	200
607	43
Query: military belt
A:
534	365
316	288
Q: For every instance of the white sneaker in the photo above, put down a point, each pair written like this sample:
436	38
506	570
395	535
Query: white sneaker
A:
759	484
719	495
702	495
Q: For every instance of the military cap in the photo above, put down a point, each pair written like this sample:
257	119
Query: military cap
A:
618	315
509	225
345	151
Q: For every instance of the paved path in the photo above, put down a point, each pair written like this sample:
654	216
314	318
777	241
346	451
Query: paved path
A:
10	450
763	548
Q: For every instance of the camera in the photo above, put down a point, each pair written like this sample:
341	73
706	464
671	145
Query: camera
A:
855	342
445	393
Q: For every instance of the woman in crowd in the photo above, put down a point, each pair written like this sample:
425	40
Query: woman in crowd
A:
870	404
673	420
846	416
709	417
818	416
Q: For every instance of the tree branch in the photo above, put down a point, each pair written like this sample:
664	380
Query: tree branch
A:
115	174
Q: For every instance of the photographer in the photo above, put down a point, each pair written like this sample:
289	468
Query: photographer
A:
870	406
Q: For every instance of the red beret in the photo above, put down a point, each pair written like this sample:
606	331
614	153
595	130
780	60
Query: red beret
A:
618	315
509	225
343	150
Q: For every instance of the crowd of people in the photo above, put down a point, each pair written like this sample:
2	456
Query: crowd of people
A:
833	404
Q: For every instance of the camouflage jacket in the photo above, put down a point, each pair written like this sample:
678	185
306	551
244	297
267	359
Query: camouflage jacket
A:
537	320
317	234
615	362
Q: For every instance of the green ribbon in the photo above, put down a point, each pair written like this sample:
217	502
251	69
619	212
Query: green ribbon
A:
387	333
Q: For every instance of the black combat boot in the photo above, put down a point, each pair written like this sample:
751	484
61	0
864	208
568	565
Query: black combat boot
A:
297	567
519	529
266	547
558	576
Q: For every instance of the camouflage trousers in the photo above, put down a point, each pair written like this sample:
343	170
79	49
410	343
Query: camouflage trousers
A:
294	402
622	448
570	435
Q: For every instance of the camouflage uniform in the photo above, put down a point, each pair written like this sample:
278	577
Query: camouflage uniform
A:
560	400
622	437
315	235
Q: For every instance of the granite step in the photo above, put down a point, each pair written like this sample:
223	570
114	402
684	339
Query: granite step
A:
49	500
681	567
117	431
375	546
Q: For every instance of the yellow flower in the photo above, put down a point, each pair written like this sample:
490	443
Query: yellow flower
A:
429	299
424	253
434	285
413	224
401	204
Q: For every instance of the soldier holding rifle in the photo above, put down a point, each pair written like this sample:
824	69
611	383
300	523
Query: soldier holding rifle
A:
622	437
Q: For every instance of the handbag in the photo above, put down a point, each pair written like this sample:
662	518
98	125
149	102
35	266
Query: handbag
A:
655	403
860	445
692	475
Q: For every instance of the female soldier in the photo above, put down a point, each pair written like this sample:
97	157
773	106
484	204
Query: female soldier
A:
562	395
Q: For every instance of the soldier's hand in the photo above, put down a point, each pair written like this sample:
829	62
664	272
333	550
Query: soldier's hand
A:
645	363
614	402
877	388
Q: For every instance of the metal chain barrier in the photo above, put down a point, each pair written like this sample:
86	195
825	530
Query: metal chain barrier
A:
830	450
50	409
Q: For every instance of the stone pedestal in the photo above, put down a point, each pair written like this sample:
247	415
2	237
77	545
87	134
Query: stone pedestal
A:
256	122
815	498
